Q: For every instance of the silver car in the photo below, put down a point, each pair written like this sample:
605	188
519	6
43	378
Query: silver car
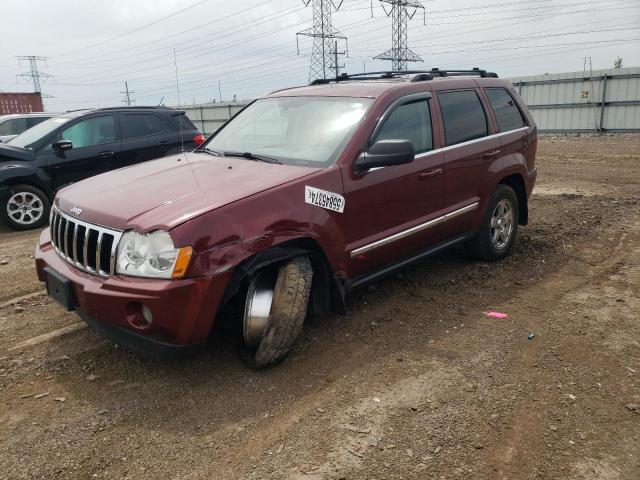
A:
13	125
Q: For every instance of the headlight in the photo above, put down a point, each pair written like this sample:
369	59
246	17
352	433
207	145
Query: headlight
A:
152	255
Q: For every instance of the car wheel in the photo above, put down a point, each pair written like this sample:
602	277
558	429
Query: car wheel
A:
25	207
275	309
499	227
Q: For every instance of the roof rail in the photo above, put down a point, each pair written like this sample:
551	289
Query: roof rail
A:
138	107
473	71
419	75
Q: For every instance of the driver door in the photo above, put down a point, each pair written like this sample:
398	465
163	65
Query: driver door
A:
391	213
96	147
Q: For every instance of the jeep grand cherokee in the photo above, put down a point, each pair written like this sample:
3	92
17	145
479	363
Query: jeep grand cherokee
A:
303	196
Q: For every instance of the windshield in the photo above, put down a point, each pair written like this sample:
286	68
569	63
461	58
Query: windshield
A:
34	134
309	131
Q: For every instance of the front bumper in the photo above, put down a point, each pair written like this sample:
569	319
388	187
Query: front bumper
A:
183	310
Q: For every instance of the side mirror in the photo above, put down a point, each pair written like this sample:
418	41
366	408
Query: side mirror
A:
386	153
62	146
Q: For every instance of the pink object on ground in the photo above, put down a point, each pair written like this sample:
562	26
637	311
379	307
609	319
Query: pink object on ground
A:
496	315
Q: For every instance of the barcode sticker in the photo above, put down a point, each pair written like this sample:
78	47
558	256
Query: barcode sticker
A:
324	199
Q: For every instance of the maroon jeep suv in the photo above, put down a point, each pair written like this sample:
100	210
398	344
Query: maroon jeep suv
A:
301	197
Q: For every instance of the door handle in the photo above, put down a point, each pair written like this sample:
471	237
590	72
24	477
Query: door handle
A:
105	154
430	173
164	142
492	154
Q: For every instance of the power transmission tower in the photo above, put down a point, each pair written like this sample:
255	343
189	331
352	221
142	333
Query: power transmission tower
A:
401	12
34	73
127	95
325	37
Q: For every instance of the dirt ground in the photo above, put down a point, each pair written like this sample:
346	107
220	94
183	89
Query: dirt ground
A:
415	383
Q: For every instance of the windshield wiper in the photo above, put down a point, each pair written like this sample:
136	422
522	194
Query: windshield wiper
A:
212	152
251	156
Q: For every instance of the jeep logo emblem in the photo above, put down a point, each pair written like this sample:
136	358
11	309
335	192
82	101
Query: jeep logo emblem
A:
76	211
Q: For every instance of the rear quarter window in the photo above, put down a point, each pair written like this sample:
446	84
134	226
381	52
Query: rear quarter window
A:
463	116
138	125
504	106
186	123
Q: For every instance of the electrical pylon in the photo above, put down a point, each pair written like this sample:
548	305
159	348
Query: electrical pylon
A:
34	73
401	12
325	36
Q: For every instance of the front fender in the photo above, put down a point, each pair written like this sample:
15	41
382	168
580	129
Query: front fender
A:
15	173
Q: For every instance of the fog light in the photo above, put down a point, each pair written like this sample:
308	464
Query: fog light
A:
147	315
139	316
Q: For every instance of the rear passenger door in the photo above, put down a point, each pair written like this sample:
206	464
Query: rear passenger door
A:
470	148
146	136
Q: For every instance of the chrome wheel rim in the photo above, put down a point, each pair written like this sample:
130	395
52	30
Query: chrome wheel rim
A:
25	208
502	222
258	308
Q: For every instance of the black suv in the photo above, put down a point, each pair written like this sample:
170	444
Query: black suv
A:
81	144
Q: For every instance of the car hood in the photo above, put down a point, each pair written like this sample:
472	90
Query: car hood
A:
6	138
164	193
9	152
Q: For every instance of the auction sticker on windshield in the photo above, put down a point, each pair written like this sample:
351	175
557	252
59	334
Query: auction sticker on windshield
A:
324	199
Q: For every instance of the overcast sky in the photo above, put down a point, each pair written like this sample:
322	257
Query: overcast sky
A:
249	47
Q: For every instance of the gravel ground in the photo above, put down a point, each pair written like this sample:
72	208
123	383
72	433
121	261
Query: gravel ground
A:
416	382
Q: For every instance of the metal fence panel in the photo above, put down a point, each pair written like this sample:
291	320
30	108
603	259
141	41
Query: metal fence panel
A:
599	101
209	117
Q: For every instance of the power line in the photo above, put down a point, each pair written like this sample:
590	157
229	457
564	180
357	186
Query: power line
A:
117	37
277	14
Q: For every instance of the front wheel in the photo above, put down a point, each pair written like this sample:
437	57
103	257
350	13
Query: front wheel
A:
275	309
499	227
25	207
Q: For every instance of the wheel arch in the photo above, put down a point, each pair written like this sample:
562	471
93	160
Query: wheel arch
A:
30	179
327	292
516	182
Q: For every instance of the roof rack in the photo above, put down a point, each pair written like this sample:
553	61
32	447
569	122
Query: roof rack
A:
419	75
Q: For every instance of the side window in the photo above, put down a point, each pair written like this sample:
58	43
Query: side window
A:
186	123
411	121
15	126
138	125
463	116
505	108
33	121
92	131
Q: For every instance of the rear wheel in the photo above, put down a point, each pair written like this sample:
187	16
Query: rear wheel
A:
275	309
25	207
499	227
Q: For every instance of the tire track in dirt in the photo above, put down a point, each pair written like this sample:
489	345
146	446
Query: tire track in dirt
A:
527	421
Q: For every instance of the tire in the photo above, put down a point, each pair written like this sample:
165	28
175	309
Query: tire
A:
286	316
495	238
25	208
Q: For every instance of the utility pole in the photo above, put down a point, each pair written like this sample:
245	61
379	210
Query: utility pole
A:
401	11
127	93
323	56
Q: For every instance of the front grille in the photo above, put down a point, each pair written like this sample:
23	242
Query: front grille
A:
86	246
